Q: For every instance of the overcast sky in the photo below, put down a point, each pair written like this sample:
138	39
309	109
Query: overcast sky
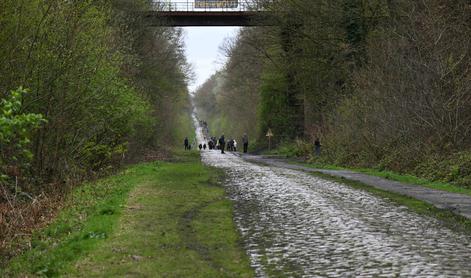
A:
202	50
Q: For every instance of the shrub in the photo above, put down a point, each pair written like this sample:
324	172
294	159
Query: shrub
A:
16	128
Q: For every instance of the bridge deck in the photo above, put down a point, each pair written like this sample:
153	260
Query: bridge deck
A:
207	18
206	13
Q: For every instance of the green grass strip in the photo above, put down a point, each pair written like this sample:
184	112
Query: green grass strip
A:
161	219
91	213
177	224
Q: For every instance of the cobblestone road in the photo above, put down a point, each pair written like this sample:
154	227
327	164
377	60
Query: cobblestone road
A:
296	225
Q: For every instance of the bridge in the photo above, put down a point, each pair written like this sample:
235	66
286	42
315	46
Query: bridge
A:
207	13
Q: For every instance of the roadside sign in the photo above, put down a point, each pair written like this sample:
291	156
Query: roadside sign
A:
269	133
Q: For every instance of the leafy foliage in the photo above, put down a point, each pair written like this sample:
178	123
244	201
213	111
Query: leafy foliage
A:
16	129
384	84
109	87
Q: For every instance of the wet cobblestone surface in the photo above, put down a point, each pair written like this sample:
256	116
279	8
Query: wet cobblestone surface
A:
458	203
296	225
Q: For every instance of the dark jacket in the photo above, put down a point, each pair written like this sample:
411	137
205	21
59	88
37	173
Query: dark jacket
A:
245	139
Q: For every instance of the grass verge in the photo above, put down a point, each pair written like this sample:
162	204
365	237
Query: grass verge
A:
161	219
88	218
176	225
446	217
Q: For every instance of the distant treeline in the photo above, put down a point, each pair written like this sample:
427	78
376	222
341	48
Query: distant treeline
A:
84	86
384	84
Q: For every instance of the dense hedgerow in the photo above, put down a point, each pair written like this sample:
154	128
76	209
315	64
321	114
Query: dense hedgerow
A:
383	84
97	76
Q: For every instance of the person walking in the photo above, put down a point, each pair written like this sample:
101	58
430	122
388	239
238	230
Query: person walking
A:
186	143
245	141
200	146
222	143
317	147
204	146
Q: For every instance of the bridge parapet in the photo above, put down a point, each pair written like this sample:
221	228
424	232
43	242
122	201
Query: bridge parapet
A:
209	6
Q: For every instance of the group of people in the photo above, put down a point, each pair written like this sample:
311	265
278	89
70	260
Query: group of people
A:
187	144
231	145
220	144
213	143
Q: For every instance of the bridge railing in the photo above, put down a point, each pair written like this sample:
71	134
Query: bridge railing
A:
208	5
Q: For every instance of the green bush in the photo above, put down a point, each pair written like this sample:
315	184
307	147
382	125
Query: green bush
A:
455	168
16	128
